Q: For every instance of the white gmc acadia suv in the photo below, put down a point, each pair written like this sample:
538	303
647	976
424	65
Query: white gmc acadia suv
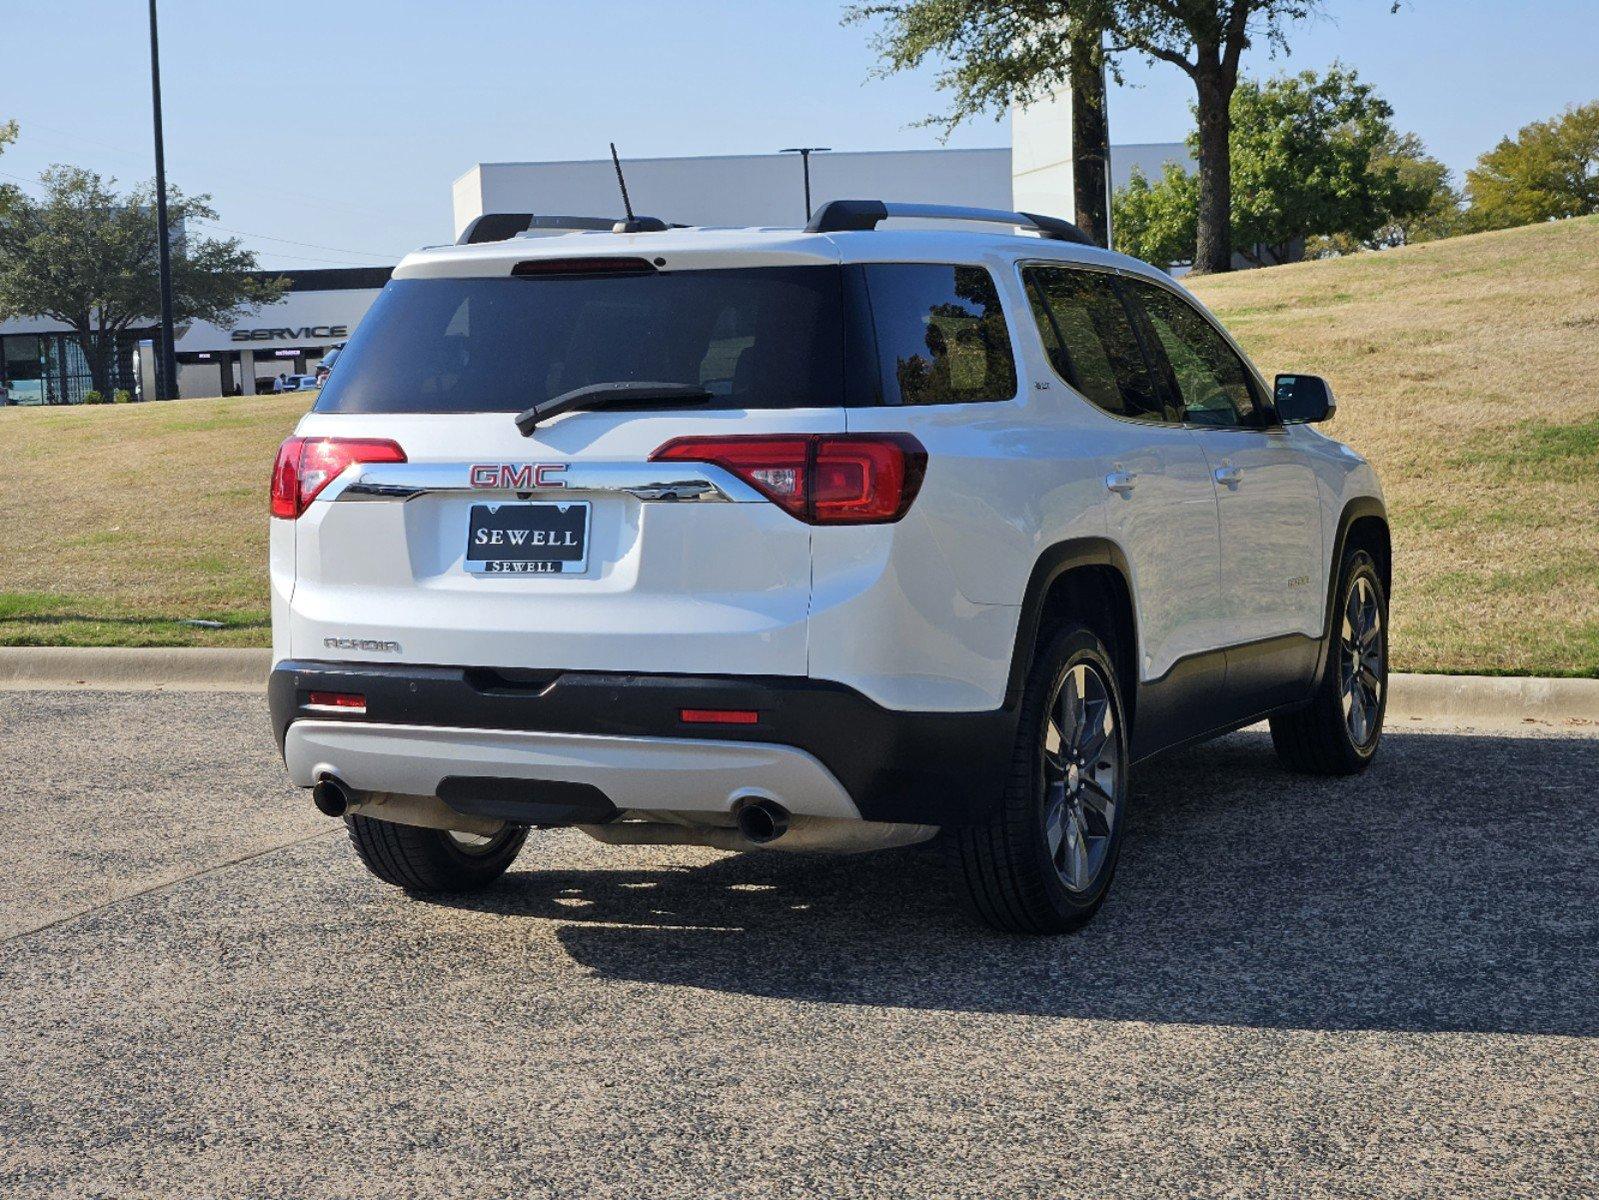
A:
821	539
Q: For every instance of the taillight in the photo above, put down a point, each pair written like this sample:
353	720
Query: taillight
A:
823	479
307	465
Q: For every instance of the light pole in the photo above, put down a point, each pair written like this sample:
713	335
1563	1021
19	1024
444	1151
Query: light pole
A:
166	368
805	153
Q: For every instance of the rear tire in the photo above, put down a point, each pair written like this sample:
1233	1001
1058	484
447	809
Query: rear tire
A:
1339	731
431	860
1045	861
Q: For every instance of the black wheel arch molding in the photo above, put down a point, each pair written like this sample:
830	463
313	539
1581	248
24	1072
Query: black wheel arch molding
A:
1370	512
1202	695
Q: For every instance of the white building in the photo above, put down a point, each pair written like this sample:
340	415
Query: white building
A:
1033	174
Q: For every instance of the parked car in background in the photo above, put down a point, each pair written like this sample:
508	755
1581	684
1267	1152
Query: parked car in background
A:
296	383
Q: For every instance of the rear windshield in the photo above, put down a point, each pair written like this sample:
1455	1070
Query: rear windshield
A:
759	337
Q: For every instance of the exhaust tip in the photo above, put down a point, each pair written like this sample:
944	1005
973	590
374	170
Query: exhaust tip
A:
332	798
762	821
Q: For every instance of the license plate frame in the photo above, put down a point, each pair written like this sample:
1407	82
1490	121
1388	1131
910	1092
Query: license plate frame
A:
508	554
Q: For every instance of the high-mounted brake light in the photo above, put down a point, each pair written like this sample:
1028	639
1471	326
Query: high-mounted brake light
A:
307	465
823	479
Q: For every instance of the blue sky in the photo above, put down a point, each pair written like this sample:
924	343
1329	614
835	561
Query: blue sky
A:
336	128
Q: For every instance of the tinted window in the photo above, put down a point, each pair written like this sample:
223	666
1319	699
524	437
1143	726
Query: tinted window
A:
766	337
941	336
1091	342
1207	373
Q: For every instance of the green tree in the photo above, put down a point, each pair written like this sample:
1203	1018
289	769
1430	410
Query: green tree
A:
1311	156
87	257
1157	221
1316	160
1014	51
1018	52
1548	171
9	193
1424	204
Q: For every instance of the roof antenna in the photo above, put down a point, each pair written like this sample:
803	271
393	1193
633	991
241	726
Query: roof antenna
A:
632	224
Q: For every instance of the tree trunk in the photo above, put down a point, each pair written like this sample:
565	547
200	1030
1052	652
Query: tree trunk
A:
1090	132
99	352
1214	251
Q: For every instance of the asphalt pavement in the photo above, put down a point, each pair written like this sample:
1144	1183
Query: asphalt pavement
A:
1383	987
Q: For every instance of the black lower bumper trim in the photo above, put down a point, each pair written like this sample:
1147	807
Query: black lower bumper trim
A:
527	801
929	768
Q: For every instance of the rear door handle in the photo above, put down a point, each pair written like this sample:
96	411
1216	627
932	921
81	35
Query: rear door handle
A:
1121	482
1231	476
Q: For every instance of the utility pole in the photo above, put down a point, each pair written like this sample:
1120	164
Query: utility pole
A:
1110	190
805	153
166	367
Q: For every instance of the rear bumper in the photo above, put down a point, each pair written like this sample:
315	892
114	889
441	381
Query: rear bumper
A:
818	748
482	770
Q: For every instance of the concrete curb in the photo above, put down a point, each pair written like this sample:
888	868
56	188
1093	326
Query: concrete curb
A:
1478	699
1494	699
93	668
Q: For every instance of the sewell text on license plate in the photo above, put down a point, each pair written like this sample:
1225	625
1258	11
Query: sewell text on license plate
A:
528	539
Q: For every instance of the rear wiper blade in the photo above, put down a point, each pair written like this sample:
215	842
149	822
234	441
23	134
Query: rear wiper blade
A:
597	395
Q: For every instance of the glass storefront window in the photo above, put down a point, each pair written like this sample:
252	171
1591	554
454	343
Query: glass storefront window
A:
24	371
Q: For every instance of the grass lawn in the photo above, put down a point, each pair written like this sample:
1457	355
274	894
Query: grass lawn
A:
1468	370
119	522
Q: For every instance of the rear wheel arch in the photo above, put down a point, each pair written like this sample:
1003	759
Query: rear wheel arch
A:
1086	579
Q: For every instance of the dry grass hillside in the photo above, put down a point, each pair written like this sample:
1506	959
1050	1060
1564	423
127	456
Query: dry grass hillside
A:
117	523
1468	370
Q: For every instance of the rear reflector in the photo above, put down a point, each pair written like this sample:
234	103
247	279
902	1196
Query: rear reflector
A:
350	702
823	479
307	465
719	716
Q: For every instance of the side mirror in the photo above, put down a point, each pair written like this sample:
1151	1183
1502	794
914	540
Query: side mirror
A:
1303	399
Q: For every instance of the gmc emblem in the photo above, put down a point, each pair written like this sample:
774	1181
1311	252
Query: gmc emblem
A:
515	477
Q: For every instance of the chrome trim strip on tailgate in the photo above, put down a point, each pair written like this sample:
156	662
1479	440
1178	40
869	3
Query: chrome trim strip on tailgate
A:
643	481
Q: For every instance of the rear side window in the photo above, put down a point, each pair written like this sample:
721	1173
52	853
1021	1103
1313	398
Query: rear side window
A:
758	337
941	335
1212	380
1091	343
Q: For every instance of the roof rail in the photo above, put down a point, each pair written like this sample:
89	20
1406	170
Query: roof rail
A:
499	227
837	216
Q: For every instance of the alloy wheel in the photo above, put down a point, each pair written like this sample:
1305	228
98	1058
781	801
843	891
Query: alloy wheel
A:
1082	766
1361	658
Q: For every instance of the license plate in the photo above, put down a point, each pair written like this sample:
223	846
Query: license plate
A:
528	539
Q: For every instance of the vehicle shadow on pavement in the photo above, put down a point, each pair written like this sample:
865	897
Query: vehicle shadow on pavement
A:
1453	887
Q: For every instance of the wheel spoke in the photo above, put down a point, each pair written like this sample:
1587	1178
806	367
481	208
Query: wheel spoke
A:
1054	743
1074	855
1055	823
1099	726
1099	807
1071	706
